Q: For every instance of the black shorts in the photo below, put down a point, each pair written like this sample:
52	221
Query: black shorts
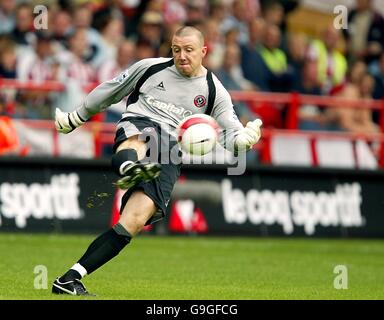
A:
160	146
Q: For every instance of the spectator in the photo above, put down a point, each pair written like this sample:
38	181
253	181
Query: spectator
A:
126	55
365	32
238	19
40	65
175	11
150	30
366	88
75	60
156	6
196	12
357	120
8	58
311	117
296	54
215	45
145	50
18	102
274	58
75	71
127	11
278	77
356	71
218	11
23	31
331	63
253	66
166	46
230	75
61	27
378	92
7	16
82	18
112	34
256	32
8	61
308	82
273	13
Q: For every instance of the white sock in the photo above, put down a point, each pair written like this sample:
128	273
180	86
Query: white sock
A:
80	269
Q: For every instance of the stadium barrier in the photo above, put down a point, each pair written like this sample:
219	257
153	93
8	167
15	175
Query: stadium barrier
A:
278	147
78	196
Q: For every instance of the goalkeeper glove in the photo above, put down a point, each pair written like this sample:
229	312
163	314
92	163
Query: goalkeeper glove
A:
65	122
249	135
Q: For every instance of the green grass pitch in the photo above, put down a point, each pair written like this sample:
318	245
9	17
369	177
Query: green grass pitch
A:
196	267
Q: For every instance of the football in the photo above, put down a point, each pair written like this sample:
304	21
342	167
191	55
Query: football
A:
198	134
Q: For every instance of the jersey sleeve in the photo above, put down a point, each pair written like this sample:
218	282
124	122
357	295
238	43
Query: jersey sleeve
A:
114	90
226	117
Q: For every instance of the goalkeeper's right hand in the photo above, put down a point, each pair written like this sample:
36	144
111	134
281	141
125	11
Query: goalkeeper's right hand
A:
66	122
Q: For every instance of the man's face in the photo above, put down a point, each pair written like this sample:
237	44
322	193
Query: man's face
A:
188	54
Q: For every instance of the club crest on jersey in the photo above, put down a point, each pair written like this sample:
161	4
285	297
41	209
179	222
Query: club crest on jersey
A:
200	101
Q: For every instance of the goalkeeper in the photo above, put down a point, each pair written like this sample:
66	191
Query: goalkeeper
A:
161	92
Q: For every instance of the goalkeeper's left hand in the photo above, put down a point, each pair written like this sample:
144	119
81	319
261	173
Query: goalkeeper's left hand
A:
65	122
249	135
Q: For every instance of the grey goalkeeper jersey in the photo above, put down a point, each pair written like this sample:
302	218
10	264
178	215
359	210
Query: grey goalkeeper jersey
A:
166	97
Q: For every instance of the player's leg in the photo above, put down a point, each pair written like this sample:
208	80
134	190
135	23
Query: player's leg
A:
128	163
138	208
137	211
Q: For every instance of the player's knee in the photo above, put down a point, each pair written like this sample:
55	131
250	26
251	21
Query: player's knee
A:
137	211
133	143
134	223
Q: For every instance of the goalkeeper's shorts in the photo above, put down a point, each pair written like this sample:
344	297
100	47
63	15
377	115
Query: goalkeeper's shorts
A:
163	149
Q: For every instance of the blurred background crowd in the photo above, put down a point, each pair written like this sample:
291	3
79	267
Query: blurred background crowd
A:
253	45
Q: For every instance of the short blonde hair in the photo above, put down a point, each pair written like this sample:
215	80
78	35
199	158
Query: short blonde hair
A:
190	31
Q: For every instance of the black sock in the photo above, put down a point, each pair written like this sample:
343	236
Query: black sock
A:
100	251
122	157
104	248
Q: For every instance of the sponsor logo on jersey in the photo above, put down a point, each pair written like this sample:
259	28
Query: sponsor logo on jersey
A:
121	77
200	101
167	107
58	199
160	86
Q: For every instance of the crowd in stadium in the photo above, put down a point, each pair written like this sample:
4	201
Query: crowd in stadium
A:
249	45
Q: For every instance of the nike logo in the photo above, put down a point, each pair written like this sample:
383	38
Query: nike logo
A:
58	285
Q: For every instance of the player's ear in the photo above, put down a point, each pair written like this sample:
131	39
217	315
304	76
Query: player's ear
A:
204	50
